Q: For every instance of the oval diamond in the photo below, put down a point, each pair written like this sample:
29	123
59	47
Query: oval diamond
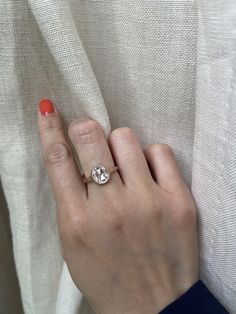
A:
100	174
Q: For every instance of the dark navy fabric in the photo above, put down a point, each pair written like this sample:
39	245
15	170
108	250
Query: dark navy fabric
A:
197	300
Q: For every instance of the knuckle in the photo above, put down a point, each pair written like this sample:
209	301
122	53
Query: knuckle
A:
86	130
52	123
57	153
124	133
86	126
184	216
162	147
74	229
165	147
77	228
128	160
150	205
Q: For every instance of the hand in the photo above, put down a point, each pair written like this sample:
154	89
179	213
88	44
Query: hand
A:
130	245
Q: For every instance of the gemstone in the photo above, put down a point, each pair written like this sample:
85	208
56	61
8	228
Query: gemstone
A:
100	174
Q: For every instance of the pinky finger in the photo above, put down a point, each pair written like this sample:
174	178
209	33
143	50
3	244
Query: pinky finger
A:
165	168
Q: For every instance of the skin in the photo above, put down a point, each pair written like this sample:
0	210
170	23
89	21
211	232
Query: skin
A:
130	245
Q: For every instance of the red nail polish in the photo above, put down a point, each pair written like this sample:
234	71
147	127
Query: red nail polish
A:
46	107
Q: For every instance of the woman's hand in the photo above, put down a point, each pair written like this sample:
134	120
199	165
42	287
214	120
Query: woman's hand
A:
131	244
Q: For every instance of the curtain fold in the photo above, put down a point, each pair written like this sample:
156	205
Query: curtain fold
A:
214	154
62	38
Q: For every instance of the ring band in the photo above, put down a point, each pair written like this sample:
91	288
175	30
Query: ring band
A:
100	174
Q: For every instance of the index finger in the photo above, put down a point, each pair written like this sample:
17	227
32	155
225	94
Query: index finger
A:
64	176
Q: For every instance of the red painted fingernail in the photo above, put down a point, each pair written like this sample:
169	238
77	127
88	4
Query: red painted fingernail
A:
46	107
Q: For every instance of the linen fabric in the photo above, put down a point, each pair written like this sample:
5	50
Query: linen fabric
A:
166	69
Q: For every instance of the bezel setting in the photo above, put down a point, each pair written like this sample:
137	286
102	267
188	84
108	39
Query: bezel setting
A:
100	174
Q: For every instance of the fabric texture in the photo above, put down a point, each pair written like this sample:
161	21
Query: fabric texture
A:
198	299
165	68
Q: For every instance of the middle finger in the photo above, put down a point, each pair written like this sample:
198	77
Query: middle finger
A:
88	138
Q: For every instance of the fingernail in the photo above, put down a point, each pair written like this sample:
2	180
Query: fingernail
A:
46	107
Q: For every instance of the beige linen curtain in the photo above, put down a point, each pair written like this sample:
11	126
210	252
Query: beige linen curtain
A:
167	69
